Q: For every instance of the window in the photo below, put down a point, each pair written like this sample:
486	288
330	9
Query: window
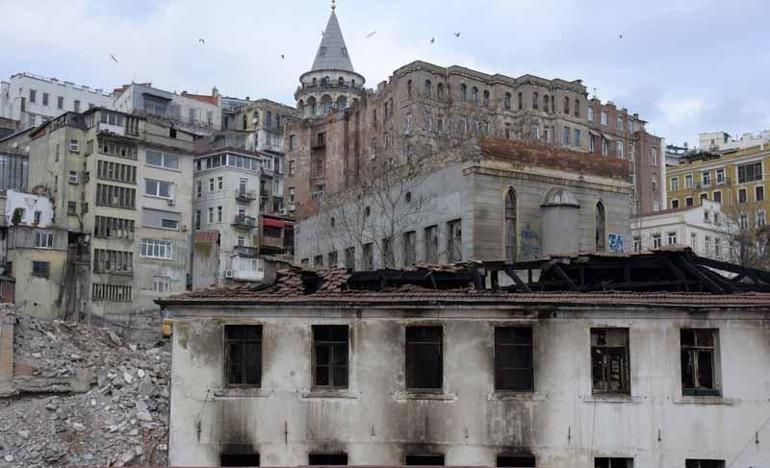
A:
743	221
431	244
110	292
219	214
159	159
507	101
524	461
160	219
656	241
41	269
699	361
113	261
72	208
535	101
600	221
74	146
198	188
637	244
350	258
475	95
161	284
116	228
410	248
409	88
749	172
455	241
327	459
424	361
60	102
690	463
718	196
688	181
486	98
613	462
620	150
742	196
759	193
577	138
367	258
435	459
521	101
720	176
674	183
566	105
211	184
603	118
511	237
108	170
674	204
243	355
318	261
332	259
577	108
154	248
330	356
514	367
239	455
706	178
158	188
590	114
761	218
220	183
688	201
388	259
605	147
76	105
609	360
671	238
565	136
43	239
619	124
717	247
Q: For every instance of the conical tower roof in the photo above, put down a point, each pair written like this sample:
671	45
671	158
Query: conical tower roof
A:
332	53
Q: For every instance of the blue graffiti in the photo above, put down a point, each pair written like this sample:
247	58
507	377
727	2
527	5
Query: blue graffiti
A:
616	242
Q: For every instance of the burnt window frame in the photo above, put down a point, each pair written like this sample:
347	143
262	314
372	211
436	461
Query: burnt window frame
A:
230	454
613	462
498	353
516	460
698	348
311	455
698	463
426	457
626	358
331	343
228	341
409	380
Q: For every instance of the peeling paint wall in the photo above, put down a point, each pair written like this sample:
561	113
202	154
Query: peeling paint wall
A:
375	421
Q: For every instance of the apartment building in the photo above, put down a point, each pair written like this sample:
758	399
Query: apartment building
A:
723	141
424	111
195	113
703	228
121	189
32	99
421	367
736	178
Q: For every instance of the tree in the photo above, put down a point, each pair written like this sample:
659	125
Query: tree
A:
750	244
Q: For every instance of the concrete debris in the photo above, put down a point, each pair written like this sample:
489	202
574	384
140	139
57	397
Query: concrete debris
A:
119	419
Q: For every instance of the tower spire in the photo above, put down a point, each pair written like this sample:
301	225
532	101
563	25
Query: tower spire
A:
334	5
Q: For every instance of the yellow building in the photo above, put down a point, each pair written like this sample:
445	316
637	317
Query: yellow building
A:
736	179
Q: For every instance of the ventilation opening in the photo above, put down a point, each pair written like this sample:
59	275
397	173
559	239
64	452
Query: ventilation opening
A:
327	459
424	460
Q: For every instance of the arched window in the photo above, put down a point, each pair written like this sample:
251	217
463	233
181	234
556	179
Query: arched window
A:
409	88
440	90
315	81
475	95
245	122
341	81
486	98
566	105
325	80
507	101
342	102
464	92
278	121
300	108
353	82
255	116
577	108
521	101
545	103
312	108
269	119
326	104
600	228
510	230
428	88
535	100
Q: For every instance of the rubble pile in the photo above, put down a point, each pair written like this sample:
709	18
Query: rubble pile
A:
118	418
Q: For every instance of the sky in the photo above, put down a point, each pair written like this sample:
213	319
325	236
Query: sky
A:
686	66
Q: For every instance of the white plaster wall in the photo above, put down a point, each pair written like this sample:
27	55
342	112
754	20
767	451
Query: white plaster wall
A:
30	203
375	421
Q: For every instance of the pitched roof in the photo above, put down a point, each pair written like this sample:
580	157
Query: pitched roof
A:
332	53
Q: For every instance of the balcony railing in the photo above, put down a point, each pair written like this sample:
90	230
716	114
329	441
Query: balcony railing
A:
246	252
247	222
245	195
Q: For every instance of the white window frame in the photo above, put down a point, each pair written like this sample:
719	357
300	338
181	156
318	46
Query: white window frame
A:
163	157
721	180
674	182
43	239
72	177
161	284
157	191
156	248
706	178
688	181
74	146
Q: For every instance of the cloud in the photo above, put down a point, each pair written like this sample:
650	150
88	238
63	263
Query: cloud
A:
685	66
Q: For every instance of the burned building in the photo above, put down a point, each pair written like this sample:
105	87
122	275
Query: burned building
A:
650	360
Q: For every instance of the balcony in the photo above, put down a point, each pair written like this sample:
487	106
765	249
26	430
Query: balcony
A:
245	195
245	252
245	222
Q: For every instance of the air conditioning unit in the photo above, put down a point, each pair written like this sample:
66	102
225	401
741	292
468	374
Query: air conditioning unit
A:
228	273
171	203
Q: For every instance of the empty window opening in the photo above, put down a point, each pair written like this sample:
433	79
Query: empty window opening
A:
609	360
699	361
330	356
511	240
243	354
327	459
514	369
601	221
613	463
424	460
524	461
238	455
424	360
690	463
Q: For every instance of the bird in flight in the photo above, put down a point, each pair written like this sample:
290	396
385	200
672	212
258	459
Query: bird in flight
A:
114	59
457	34
202	41
371	34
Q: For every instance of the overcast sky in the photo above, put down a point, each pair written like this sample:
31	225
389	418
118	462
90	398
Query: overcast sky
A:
684	65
